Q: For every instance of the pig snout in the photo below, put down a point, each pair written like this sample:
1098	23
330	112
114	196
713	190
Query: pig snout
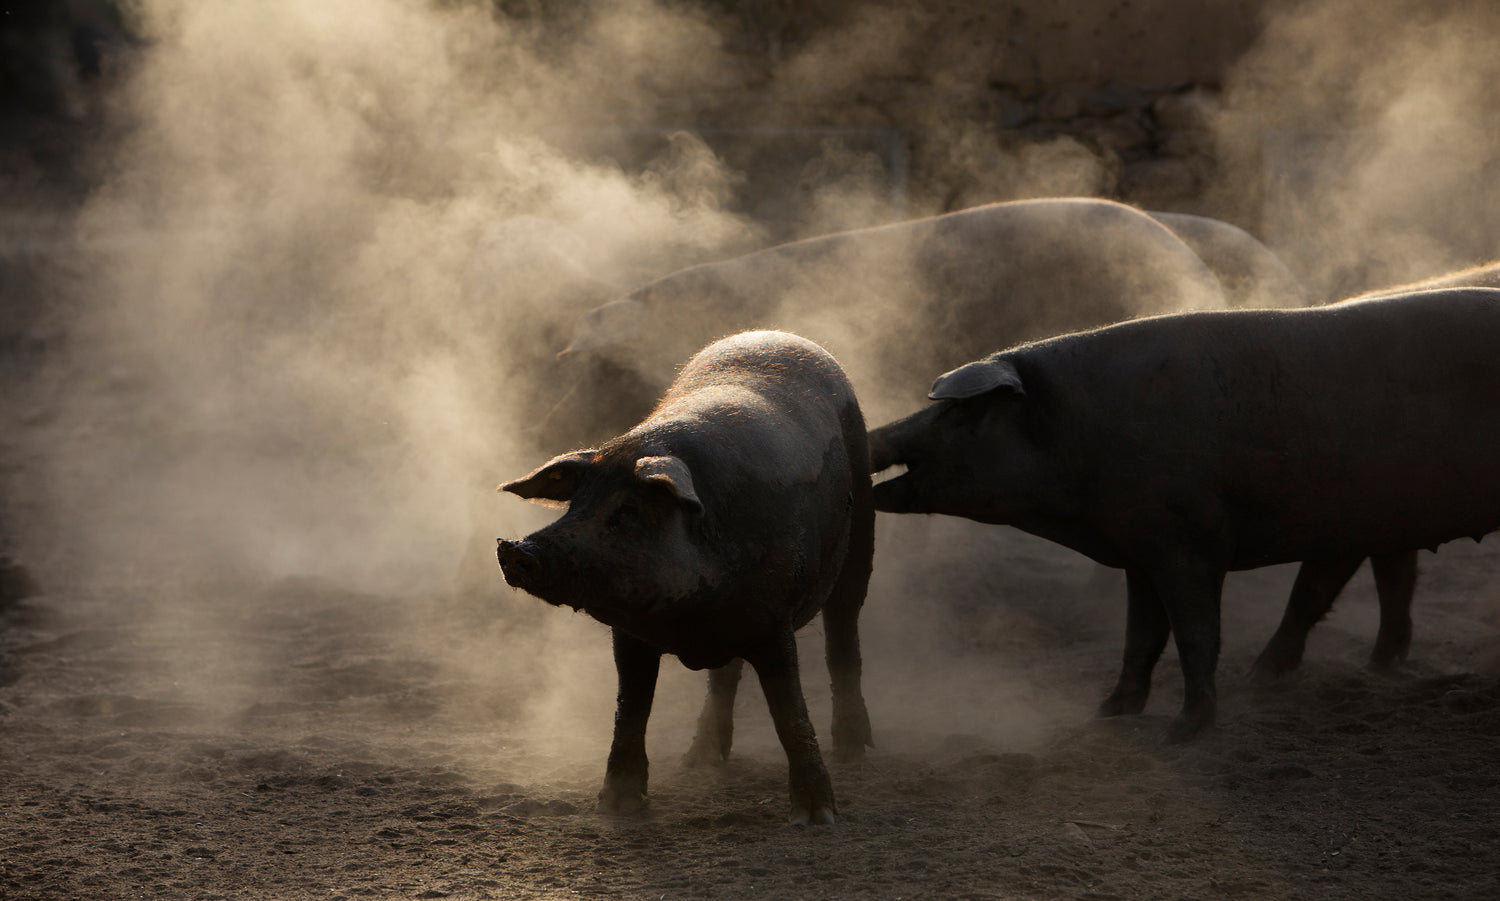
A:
895	496
882	453
520	563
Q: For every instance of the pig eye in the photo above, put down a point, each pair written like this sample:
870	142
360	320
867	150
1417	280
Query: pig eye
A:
627	517
969	413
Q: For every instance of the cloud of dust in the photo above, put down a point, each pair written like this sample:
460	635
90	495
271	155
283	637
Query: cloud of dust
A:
338	246
1362	133
341	243
878	53
337	251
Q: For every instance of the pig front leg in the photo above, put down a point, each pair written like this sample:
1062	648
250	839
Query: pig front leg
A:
1178	598
715	735
1395	583
811	789
1190	590
636	665
1146	631
1317	586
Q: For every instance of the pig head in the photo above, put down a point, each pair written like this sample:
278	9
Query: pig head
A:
632	550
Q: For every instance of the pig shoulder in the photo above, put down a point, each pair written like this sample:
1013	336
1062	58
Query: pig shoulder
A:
768	406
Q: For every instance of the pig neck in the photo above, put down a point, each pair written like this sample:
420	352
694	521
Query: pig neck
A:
1067	518
1058	474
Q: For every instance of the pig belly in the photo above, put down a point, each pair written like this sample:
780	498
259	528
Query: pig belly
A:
1352	516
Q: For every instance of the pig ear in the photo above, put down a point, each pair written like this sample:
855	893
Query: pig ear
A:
670	473
974	379
553	485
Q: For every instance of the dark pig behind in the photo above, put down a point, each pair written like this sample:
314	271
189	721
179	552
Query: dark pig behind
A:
902	301
1251	274
1182	447
714	530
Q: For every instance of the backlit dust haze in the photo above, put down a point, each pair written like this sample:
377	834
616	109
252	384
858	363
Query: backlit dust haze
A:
1367	131
317	303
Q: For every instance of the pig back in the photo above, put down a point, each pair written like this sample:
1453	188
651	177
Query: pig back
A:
1357	428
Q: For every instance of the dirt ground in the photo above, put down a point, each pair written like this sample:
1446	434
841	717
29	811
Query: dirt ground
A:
329	759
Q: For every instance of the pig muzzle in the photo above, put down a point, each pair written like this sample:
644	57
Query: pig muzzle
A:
883	453
519	562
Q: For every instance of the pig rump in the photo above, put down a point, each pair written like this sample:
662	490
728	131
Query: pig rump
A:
1319	582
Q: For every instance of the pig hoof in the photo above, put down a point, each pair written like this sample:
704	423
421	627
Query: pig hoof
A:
613	802
1386	662
1264	676
849	754
703	757
1119	704
1184	729
851	735
818	816
1269	669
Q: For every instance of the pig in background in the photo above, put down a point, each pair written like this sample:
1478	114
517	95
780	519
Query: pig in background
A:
1251	274
713	530
898	303
1180	448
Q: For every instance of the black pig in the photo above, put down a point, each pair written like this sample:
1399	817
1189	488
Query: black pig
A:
716	528
1182	447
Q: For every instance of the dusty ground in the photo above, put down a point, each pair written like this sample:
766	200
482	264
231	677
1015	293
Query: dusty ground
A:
286	741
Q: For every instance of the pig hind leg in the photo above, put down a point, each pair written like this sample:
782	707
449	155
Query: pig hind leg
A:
851	720
715	733
1395	583
636	664
1317	586
811	789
